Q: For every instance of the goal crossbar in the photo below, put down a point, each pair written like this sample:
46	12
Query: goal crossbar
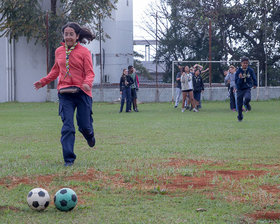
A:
228	62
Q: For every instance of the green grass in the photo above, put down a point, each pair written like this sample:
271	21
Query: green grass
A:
137	147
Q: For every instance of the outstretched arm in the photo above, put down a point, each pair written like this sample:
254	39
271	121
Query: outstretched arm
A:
205	70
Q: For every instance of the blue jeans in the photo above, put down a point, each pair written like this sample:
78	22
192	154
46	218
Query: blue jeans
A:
178	94
232	99
126	95
243	97
67	104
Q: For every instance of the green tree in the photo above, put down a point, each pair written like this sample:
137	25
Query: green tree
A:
249	27
27	18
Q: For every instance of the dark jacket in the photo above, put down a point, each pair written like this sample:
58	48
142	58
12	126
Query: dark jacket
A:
198	85
126	78
248	79
178	76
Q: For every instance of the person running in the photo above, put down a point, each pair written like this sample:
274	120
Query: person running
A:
187	88
198	87
134	87
245	79
73	67
230	78
125	90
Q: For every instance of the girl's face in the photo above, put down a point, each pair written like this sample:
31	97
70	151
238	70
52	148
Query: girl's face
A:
231	70
125	72
197	72
187	69
69	36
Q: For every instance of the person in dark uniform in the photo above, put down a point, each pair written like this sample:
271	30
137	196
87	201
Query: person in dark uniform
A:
125	90
245	79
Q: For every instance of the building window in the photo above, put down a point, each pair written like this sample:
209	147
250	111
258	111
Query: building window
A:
98	59
106	78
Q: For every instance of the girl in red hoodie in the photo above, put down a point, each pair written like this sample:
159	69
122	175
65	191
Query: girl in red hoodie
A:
73	67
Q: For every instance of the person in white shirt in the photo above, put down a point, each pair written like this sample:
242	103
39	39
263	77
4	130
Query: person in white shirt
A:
187	88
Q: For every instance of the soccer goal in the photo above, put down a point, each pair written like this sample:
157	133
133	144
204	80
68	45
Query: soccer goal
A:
216	70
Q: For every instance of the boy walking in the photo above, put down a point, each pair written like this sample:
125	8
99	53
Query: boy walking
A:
245	79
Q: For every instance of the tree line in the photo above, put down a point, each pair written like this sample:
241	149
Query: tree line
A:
238	28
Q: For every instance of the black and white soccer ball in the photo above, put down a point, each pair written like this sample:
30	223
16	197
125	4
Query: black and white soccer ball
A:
38	199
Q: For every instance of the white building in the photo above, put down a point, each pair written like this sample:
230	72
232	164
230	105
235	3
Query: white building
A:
22	63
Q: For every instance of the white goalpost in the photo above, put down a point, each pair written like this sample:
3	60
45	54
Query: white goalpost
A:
224	62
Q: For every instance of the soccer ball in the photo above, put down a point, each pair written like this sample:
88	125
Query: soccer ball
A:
38	199
65	199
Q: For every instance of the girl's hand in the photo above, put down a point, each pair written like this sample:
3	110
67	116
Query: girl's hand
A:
37	85
86	87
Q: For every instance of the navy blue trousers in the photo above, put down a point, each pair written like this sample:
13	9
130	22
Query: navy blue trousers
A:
232	99
126	95
67	104
243	98
197	97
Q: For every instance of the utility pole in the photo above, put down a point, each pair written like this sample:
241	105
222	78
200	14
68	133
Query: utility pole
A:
100	52
47	40
210	52
157	91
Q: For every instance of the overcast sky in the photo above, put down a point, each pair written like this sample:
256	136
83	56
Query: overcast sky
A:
139	8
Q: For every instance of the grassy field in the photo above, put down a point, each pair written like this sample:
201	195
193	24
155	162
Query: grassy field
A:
156	166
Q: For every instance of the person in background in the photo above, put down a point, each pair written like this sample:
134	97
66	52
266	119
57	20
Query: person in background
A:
245	79
230	78
198	87
227	83
134	87
178	86
73	67
125	90
187	88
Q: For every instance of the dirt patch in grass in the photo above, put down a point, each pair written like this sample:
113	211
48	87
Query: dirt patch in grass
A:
175	162
238	174
42	180
272	189
267	166
9	208
265	215
205	179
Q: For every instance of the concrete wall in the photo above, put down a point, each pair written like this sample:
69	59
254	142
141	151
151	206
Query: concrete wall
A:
3	71
30	64
165	94
117	51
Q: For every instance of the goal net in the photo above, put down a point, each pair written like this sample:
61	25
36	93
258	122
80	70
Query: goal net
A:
214	77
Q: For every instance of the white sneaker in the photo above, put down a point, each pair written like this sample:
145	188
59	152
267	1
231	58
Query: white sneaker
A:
183	110
195	110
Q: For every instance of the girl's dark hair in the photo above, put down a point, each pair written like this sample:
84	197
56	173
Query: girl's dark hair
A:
123	71
83	32
197	70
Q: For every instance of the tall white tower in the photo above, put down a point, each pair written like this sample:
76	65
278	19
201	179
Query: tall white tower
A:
116	52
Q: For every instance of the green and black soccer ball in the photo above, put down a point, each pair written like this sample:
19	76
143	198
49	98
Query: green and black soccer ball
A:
65	199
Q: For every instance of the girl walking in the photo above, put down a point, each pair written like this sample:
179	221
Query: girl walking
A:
125	90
